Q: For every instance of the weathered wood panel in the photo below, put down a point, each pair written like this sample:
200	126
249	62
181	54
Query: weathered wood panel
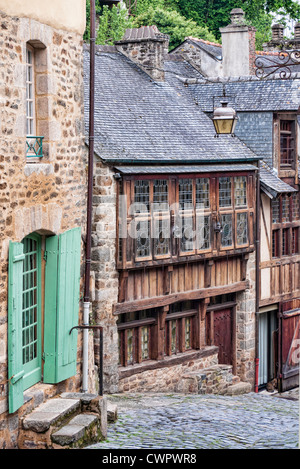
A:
284	279
155	282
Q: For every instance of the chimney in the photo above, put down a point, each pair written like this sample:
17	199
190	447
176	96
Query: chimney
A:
238	46
146	47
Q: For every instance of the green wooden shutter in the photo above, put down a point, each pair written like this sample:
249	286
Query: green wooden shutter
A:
62	278
15	298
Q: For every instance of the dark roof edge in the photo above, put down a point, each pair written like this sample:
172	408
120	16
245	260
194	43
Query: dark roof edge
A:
116	161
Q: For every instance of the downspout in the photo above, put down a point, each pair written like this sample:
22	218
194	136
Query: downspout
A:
86	303
257	279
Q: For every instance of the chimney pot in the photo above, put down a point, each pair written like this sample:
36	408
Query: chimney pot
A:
277	32
297	31
237	16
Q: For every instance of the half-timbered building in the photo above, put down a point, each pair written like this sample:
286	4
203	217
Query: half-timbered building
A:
268	113
174	230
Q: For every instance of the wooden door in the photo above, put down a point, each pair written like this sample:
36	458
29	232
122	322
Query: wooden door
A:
290	346
222	335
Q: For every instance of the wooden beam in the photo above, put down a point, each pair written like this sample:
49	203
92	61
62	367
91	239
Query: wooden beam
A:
159	301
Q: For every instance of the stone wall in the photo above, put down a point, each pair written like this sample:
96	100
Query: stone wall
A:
245	327
103	268
169	376
255	129
199	58
47	196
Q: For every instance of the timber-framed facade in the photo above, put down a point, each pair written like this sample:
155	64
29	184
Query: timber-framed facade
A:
174	229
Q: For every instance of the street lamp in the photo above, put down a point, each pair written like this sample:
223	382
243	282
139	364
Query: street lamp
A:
224	119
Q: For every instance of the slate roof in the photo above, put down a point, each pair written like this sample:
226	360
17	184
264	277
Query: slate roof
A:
251	95
138	120
187	169
271	183
268	58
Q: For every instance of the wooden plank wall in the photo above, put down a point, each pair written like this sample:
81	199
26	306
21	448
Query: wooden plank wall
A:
153	282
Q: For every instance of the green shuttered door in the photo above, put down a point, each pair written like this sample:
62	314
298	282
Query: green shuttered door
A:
15	292
62	278
61	305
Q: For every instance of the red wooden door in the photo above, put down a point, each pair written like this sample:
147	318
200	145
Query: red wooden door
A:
223	335
290	349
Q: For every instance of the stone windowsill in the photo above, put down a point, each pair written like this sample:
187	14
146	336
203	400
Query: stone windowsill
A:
39	168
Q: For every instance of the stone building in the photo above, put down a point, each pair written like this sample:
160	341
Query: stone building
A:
43	205
268	123
169	282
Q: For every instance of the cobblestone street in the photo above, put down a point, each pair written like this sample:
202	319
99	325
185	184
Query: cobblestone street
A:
160	421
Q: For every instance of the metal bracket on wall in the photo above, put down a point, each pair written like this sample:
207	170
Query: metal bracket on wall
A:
282	64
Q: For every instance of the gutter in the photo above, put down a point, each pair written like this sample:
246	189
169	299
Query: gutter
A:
86	303
257	279
118	161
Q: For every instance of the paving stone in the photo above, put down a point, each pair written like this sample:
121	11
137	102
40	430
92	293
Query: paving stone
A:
248	421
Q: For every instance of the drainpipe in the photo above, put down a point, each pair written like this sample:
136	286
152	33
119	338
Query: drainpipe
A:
86	304
257	278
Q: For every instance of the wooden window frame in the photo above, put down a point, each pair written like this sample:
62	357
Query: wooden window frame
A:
285	229
136	327
287	162
30	95
180	338
174	216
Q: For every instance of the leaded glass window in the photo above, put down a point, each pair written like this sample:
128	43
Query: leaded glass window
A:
295	240
287	143
160	195
141	196
285	209
145	342
130	346
296	207
240	191
203	232
161	236
225	192
285	237
226	235
187	238
185	193
143	238
202	193
242	228
275	211
187	333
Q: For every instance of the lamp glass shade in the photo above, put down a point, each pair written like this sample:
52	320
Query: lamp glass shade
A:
224	119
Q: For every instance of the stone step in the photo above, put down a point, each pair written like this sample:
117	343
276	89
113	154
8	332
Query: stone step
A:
69	420
50	413
80	430
238	388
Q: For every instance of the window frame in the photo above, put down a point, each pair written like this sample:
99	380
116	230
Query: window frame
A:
174	216
285	226
290	136
34	142
136	326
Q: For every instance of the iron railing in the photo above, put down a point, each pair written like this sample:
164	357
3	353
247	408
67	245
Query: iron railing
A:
34	146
